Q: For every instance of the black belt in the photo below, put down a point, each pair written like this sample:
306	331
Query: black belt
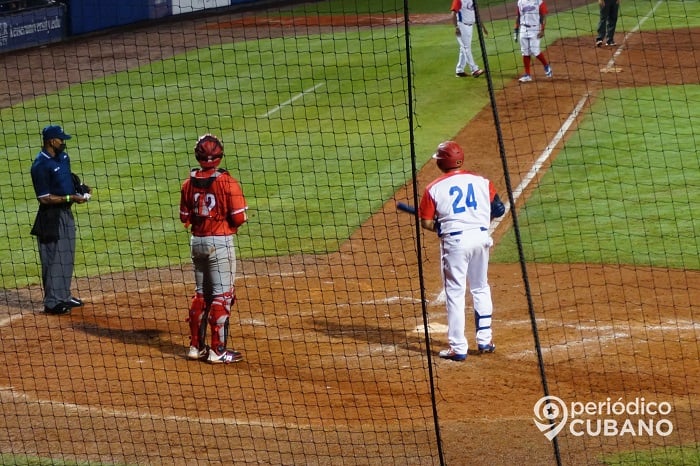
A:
528	25
453	233
467	24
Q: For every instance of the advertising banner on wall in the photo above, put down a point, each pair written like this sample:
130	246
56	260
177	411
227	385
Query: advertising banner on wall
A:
187	6
31	28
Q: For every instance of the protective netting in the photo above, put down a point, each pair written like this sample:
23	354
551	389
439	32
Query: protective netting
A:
328	112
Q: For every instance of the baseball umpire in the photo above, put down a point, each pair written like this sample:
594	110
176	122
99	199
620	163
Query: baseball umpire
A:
459	205
57	189
212	203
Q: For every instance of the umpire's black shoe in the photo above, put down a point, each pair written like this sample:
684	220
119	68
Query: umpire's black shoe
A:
58	309
74	302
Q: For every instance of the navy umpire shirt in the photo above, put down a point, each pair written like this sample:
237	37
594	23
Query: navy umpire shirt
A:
52	175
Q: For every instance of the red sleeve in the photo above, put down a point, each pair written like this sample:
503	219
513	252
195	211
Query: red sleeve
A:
456	5
237	204
426	208
184	208
492	191
543	9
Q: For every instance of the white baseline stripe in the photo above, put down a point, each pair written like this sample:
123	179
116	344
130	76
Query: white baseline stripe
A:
298	96
10	395
539	163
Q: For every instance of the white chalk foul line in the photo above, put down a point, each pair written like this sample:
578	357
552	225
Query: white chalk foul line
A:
542	159
298	96
10	395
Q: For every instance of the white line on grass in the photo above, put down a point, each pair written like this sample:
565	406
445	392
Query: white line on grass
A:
546	154
298	96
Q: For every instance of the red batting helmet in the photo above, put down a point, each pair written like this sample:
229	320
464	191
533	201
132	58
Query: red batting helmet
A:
449	155
209	151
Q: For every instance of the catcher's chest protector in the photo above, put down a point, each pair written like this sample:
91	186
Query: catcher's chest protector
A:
204	200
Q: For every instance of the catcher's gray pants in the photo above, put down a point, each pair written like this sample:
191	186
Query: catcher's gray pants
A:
214	260
57	258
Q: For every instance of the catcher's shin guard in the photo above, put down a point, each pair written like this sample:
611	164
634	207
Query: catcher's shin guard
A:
219	319
197	321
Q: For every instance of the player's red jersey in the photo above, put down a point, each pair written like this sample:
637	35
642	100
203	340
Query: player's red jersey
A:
213	203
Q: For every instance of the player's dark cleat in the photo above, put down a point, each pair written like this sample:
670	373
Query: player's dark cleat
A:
451	355
74	302
477	73
195	353
599	42
227	357
58	309
487	348
611	43
461	74
548	71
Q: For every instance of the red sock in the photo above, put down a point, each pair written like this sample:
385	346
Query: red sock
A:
542	59
526	61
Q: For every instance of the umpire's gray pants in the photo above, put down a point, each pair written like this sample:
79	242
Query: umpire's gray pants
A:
57	258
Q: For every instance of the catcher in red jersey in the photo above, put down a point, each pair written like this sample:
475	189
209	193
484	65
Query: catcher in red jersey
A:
459	205
212	203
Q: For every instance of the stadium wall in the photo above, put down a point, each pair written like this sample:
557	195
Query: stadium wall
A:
58	20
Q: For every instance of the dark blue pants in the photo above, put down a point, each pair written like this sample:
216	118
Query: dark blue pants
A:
608	20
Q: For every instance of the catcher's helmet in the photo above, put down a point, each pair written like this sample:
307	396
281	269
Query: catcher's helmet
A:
209	151
449	155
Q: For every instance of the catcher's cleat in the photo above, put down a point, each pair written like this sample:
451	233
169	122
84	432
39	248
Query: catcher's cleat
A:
526	78
451	355
611	43
227	357
477	73
461	74
548	71
487	348
198	354
599	42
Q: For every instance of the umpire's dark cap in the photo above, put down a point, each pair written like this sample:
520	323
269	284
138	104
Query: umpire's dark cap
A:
54	131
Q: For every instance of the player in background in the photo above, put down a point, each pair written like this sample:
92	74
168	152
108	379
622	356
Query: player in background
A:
529	29
463	19
212	203
459	205
609	10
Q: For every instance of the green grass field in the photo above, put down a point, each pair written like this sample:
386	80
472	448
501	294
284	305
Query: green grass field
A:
309	175
631	205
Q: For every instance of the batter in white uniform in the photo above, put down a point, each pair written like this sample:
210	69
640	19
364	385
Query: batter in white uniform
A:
459	205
